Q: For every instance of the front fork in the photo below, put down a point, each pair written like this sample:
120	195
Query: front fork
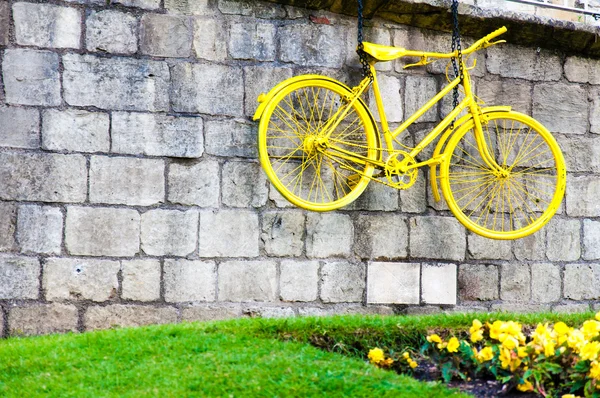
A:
482	145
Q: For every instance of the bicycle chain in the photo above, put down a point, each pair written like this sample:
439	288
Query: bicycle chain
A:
360	50
456	45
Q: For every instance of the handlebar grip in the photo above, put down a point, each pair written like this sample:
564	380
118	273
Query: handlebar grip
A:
495	33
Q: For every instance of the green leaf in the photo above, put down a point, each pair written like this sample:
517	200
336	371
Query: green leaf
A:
447	372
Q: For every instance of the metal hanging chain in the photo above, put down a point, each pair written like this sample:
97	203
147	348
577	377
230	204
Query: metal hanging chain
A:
458	70
360	50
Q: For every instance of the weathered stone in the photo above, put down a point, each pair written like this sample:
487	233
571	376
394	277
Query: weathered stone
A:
247	281
582	70
119	315
582	194
169	232
19	277
239	7
228	233
261	79
111	31
189	7
561	108
47	25
230	138
328	235
282	233
519	308
591	240
414	199
8	224
210	39
102	231
42	177
437	237
342	282
141	279
532	247
478	282
582	281
40	229
75	130
277	198
244	185
269	11
268	312
19	127
422	310
390	88
4	25
116	83
418	90
128	181
75	279
515	93
581	153
312	45
481	248
376	197
346	309
595	110
571	308
31	77
563	240
196	184
187	280
515	282
39	319
438	283
146	4
523	63
299	280
252	40
393	283
166	35
466	309
210	312
545	282
379	236
203	88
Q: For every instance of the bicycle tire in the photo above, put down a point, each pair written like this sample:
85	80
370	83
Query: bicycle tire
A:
289	128
510	204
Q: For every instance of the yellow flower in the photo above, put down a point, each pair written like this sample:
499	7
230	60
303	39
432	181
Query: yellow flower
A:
386	362
522	352
376	355
477	336
576	340
406	355
453	345
505	358
561	328
548	348
495	329
434	338
595	370
486	354
526	386
570	396
413	364
590	351
476	326
591	329
510	342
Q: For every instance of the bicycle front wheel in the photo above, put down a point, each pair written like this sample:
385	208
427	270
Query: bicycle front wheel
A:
311	165
522	194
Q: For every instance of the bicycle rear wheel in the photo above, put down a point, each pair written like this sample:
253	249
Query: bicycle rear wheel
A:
298	156
516	200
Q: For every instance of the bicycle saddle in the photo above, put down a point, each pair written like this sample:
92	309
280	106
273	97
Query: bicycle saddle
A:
383	53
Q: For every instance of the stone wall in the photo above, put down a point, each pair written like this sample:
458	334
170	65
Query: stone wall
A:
130	192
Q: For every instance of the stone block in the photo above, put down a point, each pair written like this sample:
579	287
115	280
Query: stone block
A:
515	93
594	110
189	7
19	277
545	282
120	315
261	79
329	235
75	130
266	10
268	312
582	70
376	197
169	232
229	233
418	90
111	31
437	237
422	310
4	25
582	196
381	237
282	233
390	88
31	77
166	35
210	38
515	282
532	247
393	283
277	198
210	312
230	138
247	281
19	127
76	279
414	199
244	185
47	25
145	4
102	231
438	283
481	248
236	7
342	282
42	177
141	279
524	63
116	83
561	108
520	308
252	40
563	240
207	88
591	240
40	229
312	45
478	282
36	319
582	281
8	225
194	184
581	153
571	308
299	280
187	280
128	181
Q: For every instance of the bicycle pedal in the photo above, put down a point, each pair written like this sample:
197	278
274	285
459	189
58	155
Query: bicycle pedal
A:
353	180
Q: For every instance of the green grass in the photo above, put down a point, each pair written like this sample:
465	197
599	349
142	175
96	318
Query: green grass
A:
249	357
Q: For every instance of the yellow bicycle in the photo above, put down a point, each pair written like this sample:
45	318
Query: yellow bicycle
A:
501	172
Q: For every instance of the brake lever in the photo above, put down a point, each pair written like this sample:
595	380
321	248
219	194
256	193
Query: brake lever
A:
424	61
489	44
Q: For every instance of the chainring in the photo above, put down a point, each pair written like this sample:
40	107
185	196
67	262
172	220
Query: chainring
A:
397	178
